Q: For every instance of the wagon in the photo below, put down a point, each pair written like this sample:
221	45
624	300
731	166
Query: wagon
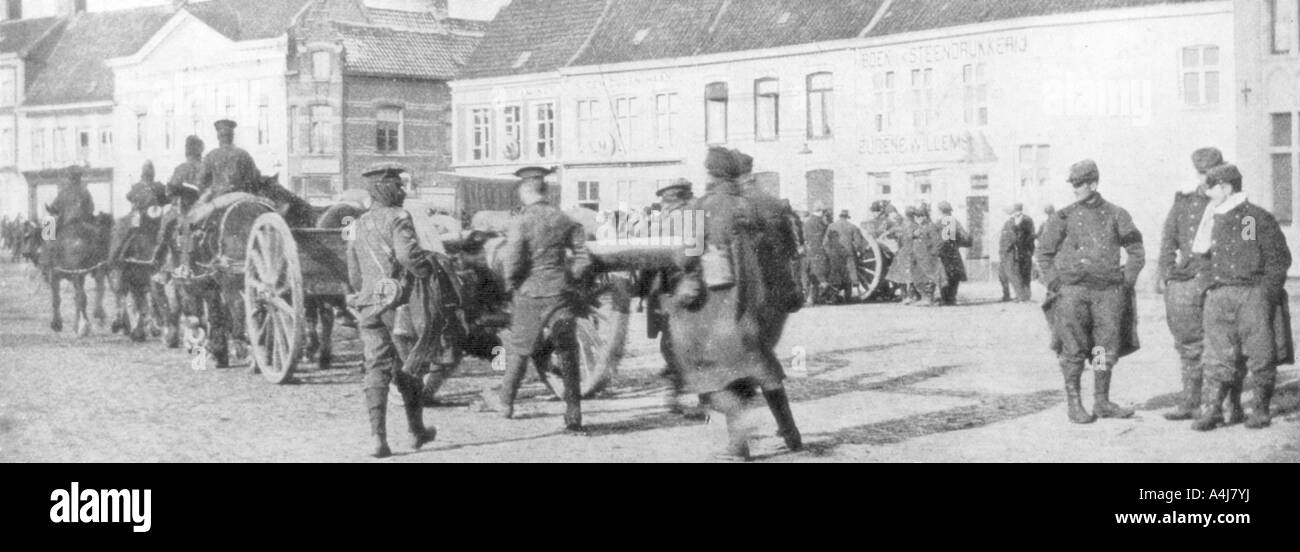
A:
285	266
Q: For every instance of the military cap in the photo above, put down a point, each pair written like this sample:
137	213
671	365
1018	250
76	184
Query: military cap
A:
1083	172
225	123
844	214
534	172
680	184
1224	174
384	171
744	162
945	207
1207	158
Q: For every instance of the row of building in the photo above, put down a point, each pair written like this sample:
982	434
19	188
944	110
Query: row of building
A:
844	102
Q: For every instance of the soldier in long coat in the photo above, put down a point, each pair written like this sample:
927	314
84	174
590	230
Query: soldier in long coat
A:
927	272
144	194
952	237
675	199
1016	254
844	243
816	269
716	310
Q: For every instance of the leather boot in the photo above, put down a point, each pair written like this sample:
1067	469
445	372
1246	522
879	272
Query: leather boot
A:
1191	403
420	435
1234	413
1101	392
779	403
377	404
572	389
1260	417
1211	406
733	407
502	399
1074	396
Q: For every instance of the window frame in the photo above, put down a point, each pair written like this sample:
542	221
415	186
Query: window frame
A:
1202	71
827	100
316	56
712	98
512	131
665	138
1291	150
543	141
760	97
480	133
322	144
627	111
885	96
390	141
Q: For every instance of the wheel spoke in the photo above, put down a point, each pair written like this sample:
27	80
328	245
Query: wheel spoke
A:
280	305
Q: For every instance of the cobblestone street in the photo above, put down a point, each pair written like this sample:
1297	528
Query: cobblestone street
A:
883	383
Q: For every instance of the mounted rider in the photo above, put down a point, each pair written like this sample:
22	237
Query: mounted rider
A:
147	198
71	206
225	171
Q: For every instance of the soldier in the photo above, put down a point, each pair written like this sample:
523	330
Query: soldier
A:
1016	254
1090	299
1247	322
843	243
952	237
674	200
381	254
1184	291
73	203
816	269
926	272
545	258
143	195
228	168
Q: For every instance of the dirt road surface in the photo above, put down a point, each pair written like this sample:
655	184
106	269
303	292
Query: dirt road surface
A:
872	383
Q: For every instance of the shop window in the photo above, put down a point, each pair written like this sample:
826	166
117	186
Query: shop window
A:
589	195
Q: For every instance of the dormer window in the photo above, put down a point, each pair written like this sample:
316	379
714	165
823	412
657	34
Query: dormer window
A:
522	59
640	36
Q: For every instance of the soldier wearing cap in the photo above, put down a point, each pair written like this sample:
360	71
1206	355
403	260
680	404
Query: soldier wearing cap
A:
73	202
926	272
382	253
545	260
844	242
1179	269
1247	321
181	192
228	168
816	263
1016	254
952	236
1091	291
674	200
143	195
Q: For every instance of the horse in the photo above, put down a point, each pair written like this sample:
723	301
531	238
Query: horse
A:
138	295
320	310
80	249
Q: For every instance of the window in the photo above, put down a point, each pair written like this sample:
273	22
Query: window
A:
666	122
320	65
512	118
293	129
1201	75
388	130
8	87
196	116
83	146
481	131
1032	167
105	145
6	146
61	146
319	128
141	131
979	182
169	128
544	125
1282	19
264	121
1284	150
587	124
923	105
715	113
38	148
882	183
974	78
883	84
921	183
626	113
820	87
589	195
767	109
228	106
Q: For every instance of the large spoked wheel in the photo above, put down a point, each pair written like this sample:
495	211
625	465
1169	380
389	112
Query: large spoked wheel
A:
273	298
602	340
871	268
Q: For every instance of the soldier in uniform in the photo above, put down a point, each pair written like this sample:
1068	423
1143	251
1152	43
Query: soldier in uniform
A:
816	269
143	195
545	258
181	192
1247	322
73	202
1091	292
381	254
926	272
228	168
1184	291
952	237
673	217
843	243
1016	254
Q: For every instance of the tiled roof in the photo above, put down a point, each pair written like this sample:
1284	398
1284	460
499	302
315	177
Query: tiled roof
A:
651	29
919	15
550	32
17	36
74	70
402	19
466	25
757	24
247	19
382	51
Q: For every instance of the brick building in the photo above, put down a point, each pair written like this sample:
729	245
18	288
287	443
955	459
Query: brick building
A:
368	85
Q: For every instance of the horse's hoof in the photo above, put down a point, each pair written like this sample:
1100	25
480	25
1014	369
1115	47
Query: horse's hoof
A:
173	339
138	336
56	326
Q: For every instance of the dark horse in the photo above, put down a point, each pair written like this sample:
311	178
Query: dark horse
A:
79	249
139	298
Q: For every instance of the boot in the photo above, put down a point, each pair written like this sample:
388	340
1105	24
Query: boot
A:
420	435
1211	406
1074	396
1102	405
1234	414
1191	403
779	403
733	407
572	390
377	404
1260	417
502	399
